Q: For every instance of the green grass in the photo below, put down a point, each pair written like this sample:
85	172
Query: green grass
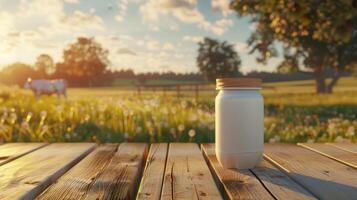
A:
293	113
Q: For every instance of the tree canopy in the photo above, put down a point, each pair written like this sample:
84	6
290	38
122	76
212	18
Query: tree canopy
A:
217	59
84	59
44	65
315	34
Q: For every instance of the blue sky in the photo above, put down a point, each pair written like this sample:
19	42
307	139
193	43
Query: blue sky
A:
143	35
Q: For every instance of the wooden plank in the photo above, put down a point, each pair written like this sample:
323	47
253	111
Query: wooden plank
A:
345	157
236	184
12	151
78	180
351	147
323	177
279	184
120	178
28	176
187	175
153	176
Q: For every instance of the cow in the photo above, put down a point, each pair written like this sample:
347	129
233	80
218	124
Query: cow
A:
47	87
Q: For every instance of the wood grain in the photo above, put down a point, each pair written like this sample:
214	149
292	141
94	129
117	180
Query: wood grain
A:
120	178
345	157
28	176
237	184
153	176
187	175
351	147
323	177
279	184
79	179
12	151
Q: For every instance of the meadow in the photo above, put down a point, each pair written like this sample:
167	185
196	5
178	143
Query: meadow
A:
293	113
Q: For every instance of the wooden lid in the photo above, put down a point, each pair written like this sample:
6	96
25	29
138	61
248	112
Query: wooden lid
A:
238	83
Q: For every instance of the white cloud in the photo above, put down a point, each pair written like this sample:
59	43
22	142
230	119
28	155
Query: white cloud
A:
193	39
82	21
241	47
168	46
126	51
221	6
122	6
154	28
185	11
174	27
72	1
153	45
218	27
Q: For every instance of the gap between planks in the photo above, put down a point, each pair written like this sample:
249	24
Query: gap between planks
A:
332	152
153	174
28	176
263	182
13	151
323	177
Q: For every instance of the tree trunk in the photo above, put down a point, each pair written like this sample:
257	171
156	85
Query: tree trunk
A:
320	80
333	82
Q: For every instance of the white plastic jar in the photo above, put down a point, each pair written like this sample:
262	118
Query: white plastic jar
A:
239	114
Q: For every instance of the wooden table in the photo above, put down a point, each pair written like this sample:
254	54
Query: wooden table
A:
174	171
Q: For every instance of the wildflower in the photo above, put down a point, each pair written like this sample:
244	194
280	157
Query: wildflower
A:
25	125
192	133
139	129
181	127
339	139
126	135
43	114
13	118
87	118
350	131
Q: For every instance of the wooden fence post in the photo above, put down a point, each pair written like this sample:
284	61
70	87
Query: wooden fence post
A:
139	90
178	91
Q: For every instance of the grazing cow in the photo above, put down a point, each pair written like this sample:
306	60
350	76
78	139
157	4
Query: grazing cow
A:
47	87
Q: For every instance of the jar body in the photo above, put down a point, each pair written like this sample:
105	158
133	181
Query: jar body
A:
239	128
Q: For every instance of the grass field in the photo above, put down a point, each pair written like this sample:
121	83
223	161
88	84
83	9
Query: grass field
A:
293	113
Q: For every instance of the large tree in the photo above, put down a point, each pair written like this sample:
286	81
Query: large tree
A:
315	34
217	59
17	74
85	60
44	65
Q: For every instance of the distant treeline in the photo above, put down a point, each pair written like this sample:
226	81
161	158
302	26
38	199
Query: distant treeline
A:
18	74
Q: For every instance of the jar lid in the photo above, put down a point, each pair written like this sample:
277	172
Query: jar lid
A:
238	83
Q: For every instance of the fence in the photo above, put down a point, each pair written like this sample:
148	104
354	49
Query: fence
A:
180	90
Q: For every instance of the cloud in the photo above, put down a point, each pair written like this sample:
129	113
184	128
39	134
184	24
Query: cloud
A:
82	20
218	27
193	39
72	1
154	28
153	45
126	51
241	47
122	6
185	11
168	46
221	6
174	27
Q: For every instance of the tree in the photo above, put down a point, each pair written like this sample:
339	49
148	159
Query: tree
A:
217	59
44	65
316	34
17	74
85	60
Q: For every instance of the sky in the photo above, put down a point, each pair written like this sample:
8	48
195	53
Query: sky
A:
142	35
